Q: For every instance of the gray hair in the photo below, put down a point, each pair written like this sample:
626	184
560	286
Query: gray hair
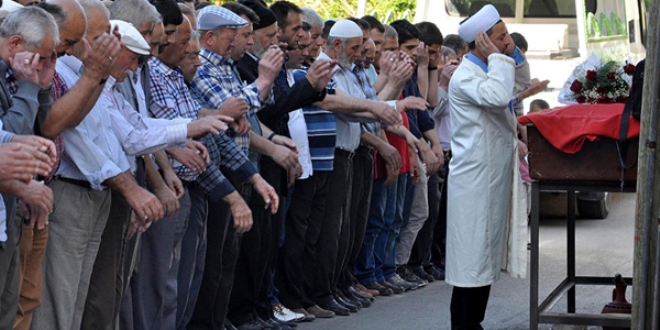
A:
389	32
56	11
311	17
92	6
32	24
136	12
331	40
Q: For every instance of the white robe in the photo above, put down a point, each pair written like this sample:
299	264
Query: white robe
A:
482	196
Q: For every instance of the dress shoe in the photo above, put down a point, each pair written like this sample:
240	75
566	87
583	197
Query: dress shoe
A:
395	288
362	289
353	297
361	295
320	313
346	303
419	271
437	272
334	306
252	325
307	316
382	291
284	314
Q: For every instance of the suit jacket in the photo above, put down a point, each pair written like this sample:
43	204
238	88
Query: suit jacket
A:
287	99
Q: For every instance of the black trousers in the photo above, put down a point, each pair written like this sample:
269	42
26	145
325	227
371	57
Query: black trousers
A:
359	202
468	307
221	255
252	264
297	262
438	247
335	230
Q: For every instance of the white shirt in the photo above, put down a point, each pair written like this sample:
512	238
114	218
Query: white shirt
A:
298	131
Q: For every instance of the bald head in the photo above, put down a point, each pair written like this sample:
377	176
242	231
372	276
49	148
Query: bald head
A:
72	25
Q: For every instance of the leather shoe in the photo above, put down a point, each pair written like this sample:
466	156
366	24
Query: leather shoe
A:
334	306
383	291
320	313
353	297
307	316
346	303
361	294
363	290
395	288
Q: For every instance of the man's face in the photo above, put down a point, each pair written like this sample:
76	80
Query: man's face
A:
377	37
501	38
434	52
390	44
72	32
45	51
315	42
370	53
170	31
124	63
346	55
410	47
300	54
292	31
175	52
223	41
157	38
264	38
243	41
190	64
146	30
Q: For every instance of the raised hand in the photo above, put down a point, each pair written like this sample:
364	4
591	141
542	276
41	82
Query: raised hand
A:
271	63
485	45
25	66
48	70
101	55
320	73
422	55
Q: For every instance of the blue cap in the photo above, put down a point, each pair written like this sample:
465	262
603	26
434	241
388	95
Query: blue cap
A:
214	17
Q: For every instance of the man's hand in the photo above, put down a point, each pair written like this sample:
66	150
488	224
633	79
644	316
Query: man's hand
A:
174	183
428	157
267	193
401	72
48	70
536	87
145	204
240	212
41	146
485	45
241	125
101	55
415	172
271	63
234	107
437	151
286	142
285	157
190	156
446	73
24	65
168	199
320	73
22	162
522	149
412	103
391	156
208	124
37	196
422	55
392	176
387	63
386	113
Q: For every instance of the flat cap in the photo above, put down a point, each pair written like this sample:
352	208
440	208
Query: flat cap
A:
131	37
214	17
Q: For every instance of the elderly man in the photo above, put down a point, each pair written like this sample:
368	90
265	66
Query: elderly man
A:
481	172
26	63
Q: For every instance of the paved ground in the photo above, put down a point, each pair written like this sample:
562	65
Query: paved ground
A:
604	247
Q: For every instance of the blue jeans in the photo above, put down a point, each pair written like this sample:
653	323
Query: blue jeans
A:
394	211
365	265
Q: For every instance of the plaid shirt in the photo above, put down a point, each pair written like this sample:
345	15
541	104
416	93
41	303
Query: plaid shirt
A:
59	89
216	81
171	99
11	80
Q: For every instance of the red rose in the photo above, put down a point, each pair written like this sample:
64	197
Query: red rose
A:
591	75
601	90
603	99
629	69
581	99
576	86
611	76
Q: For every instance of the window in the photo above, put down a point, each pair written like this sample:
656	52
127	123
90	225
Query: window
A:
506	8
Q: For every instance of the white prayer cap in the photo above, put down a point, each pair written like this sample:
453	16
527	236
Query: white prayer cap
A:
131	37
345	29
482	21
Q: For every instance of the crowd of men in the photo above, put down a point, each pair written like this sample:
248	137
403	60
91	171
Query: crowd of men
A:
184	165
